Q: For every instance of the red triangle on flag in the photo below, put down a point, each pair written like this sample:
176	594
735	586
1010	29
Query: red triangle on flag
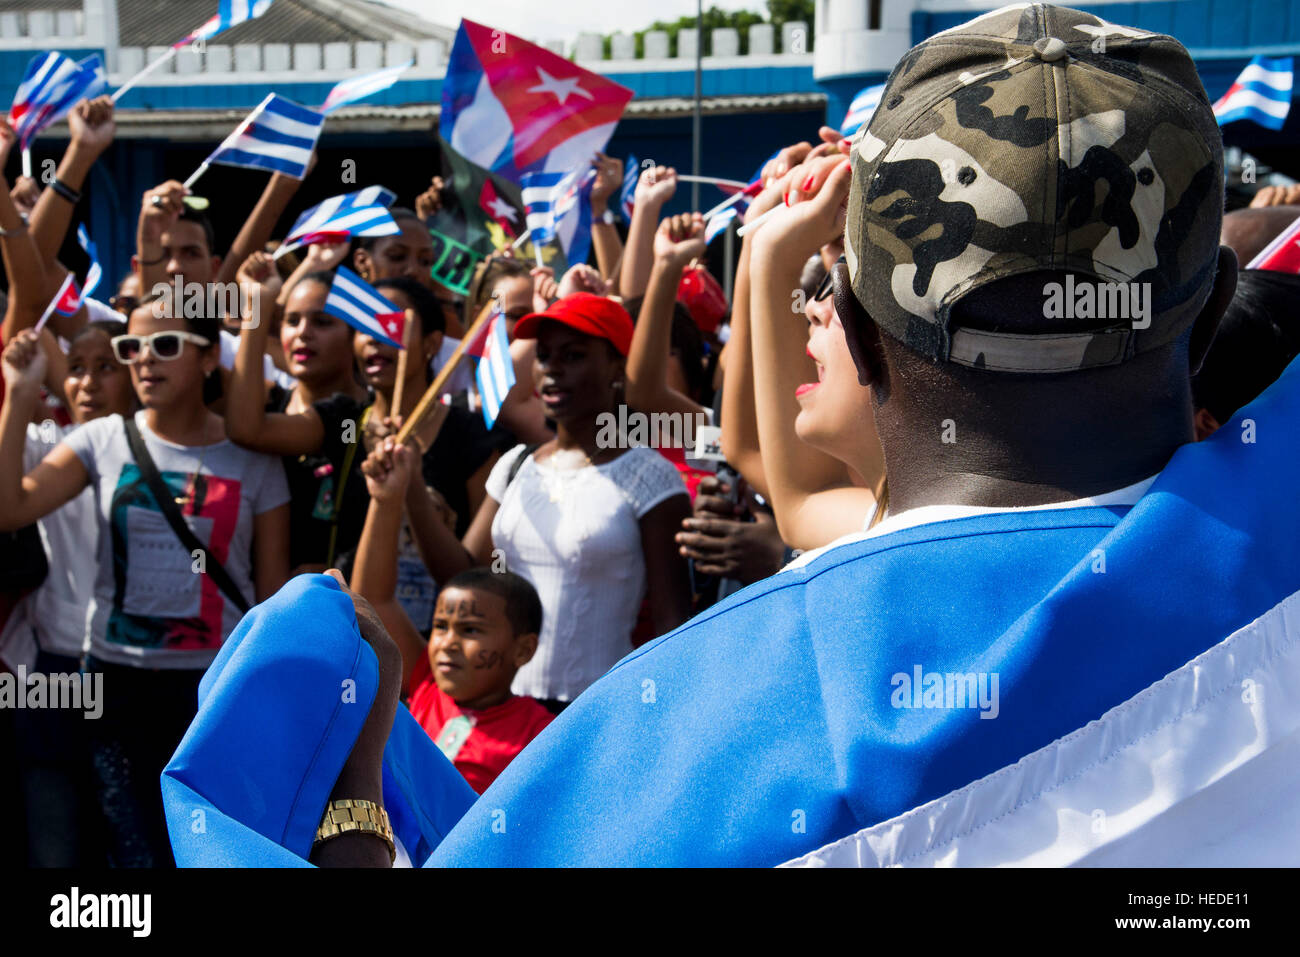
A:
478	345
549	99
394	325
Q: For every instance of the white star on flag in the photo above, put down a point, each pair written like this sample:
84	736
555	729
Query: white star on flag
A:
503	210
561	88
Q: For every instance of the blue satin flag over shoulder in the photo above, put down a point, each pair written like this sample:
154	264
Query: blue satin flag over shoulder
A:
772	724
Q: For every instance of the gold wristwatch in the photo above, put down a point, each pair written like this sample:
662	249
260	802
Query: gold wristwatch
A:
347	816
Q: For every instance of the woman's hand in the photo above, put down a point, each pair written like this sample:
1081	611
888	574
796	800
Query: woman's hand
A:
545	289
260	282
656	185
582	278
609	177
815	218
387	470
680	239
326	256
24	363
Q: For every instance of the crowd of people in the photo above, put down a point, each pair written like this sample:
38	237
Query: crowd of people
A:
168	468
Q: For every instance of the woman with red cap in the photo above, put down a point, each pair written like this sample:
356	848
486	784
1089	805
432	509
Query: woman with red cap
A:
588	520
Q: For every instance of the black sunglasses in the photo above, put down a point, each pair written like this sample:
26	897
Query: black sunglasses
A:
827	285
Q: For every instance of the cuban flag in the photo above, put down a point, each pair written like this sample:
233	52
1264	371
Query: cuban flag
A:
496	371
499	210
51	87
95	272
1261	93
360	87
1282	254
513	107
66	301
1147	712
631	173
359	214
279	136
230	13
861	109
718	224
559	208
358	304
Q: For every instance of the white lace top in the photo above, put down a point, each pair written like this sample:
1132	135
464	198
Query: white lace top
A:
575	534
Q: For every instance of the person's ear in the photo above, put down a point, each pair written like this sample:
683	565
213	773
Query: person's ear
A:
361	260
525	648
210	359
1207	322
1205	423
860	332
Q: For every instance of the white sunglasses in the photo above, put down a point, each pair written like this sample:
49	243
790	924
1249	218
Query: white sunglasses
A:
164	345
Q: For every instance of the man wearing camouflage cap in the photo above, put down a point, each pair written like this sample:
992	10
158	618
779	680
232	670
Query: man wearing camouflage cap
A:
1071	622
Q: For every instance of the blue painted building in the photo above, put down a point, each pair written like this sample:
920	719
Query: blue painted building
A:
785	85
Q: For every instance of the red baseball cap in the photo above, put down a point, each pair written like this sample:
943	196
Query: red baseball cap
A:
589	314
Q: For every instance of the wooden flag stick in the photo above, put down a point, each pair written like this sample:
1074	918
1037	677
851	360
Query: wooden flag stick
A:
430	398
409	321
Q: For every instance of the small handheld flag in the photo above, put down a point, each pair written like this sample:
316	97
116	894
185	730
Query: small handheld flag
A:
500	211
230	13
495	374
559	209
360	87
94	273
1282	254
363	213
862	109
66	302
279	135
358	304
52	85
1261	93
631	173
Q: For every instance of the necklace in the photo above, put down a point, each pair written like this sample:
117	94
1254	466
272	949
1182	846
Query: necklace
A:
192	486
557	480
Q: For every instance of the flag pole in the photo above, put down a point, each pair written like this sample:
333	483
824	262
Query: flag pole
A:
121	90
27	162
398	388
429	400
750	227
203	168
716	180
730	200
699	93
522	239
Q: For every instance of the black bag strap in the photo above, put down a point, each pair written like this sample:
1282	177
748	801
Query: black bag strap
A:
518	463
167	505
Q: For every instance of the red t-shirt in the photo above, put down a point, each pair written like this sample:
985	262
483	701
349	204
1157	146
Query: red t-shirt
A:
495	735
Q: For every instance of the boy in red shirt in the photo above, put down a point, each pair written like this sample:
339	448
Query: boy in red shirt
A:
485	628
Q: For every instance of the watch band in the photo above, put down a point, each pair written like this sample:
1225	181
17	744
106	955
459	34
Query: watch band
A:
348	816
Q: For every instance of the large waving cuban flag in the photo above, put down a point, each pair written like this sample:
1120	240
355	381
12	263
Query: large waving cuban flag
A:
279	135
360	87
1105	682
513	107
51	87
559	209
1261	93
229	13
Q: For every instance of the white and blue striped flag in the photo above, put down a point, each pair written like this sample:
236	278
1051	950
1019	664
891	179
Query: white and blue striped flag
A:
861	109
279	136
52	85
559	208
358	304
363	213
94	272
631	173
360	87
495	374
230	13
1261	93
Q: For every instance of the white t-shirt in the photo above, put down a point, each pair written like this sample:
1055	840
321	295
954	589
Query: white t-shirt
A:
575	534
151	609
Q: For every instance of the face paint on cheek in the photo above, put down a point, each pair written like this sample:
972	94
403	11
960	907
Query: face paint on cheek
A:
489	660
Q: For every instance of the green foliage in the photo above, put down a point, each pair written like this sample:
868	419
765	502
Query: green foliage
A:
780	11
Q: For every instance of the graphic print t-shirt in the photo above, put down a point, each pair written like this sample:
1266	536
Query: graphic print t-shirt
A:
152	606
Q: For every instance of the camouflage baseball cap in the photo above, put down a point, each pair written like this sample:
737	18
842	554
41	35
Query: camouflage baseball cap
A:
1038	138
